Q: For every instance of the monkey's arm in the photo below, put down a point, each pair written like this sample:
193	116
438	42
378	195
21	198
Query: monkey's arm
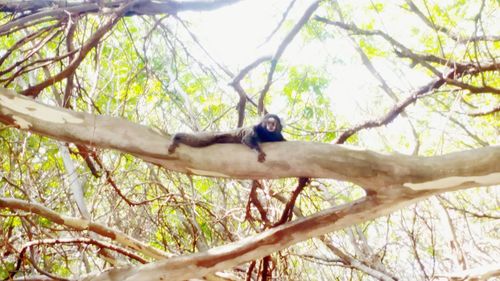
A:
251	139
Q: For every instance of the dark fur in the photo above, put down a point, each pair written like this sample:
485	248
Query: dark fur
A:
250	136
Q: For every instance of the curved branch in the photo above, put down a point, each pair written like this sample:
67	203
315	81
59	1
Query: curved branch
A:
236	84
87	241
39	16
82	224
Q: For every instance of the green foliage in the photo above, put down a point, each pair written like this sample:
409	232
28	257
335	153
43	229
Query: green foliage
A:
377	6
5	268
152	72
371	50
314	30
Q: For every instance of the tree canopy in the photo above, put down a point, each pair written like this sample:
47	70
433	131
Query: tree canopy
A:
390	170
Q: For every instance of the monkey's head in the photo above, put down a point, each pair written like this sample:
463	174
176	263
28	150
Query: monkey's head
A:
272	123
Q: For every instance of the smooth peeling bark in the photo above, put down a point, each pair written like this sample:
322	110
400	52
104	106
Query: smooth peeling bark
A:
371	170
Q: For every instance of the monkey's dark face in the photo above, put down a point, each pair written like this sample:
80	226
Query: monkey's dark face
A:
271	124
269	129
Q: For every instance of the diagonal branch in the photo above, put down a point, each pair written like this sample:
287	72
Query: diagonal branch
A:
82	224
400	107
85	49
281	49
280	23
267	242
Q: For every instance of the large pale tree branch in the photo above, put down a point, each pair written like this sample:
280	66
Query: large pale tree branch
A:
267	242
374	171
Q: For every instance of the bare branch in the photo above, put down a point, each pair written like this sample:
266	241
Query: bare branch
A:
473	89
87	241
485	112
457	37
281	49
236	84
288	211
356	263
399	108
89	45
82	224
280	23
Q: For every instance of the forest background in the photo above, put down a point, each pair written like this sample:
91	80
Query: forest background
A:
390	107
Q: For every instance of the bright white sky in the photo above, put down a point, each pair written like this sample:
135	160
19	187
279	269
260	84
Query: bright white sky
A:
235	36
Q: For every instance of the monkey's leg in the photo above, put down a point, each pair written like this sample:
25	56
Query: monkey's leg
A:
172	147
199	139
175	143
177	139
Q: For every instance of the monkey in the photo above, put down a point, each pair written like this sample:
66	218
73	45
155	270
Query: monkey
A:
268	130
